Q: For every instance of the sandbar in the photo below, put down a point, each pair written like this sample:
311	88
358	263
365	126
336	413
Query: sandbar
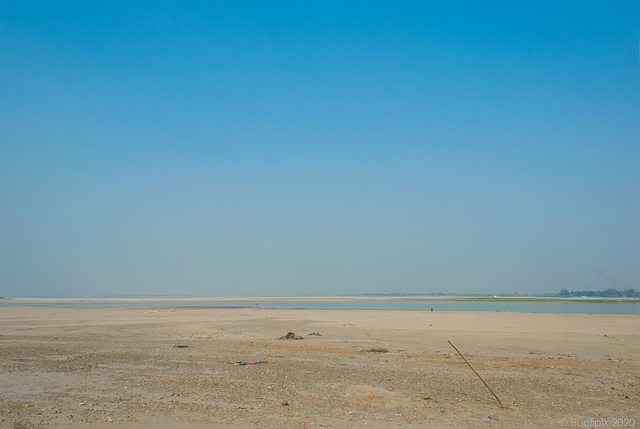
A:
135	367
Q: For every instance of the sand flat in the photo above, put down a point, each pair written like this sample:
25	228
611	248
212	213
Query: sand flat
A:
101	367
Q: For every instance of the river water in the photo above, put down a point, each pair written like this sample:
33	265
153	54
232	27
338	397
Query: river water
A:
439	305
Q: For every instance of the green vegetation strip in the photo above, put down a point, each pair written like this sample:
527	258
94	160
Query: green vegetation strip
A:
536	299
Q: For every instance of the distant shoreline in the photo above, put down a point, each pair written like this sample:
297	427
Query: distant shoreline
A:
496	298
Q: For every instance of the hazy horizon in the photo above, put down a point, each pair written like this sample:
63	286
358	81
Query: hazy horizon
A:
287	148
365	294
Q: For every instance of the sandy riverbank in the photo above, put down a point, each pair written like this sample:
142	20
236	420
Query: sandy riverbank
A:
118	367
160	299
257	299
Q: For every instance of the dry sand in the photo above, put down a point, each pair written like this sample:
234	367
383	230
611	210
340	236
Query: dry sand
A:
118	367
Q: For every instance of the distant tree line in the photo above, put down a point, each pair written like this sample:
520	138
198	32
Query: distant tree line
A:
609	293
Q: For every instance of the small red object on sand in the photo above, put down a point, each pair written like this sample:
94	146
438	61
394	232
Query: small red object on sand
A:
250	363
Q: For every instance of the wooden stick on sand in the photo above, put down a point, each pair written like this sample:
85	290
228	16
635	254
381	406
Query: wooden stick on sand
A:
485	383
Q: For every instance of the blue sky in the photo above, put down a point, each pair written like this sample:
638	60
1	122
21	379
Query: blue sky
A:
280	148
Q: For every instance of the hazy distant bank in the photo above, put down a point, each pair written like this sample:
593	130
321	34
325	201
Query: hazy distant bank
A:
496	298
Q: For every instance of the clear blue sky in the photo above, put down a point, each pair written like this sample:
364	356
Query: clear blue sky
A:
280	148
